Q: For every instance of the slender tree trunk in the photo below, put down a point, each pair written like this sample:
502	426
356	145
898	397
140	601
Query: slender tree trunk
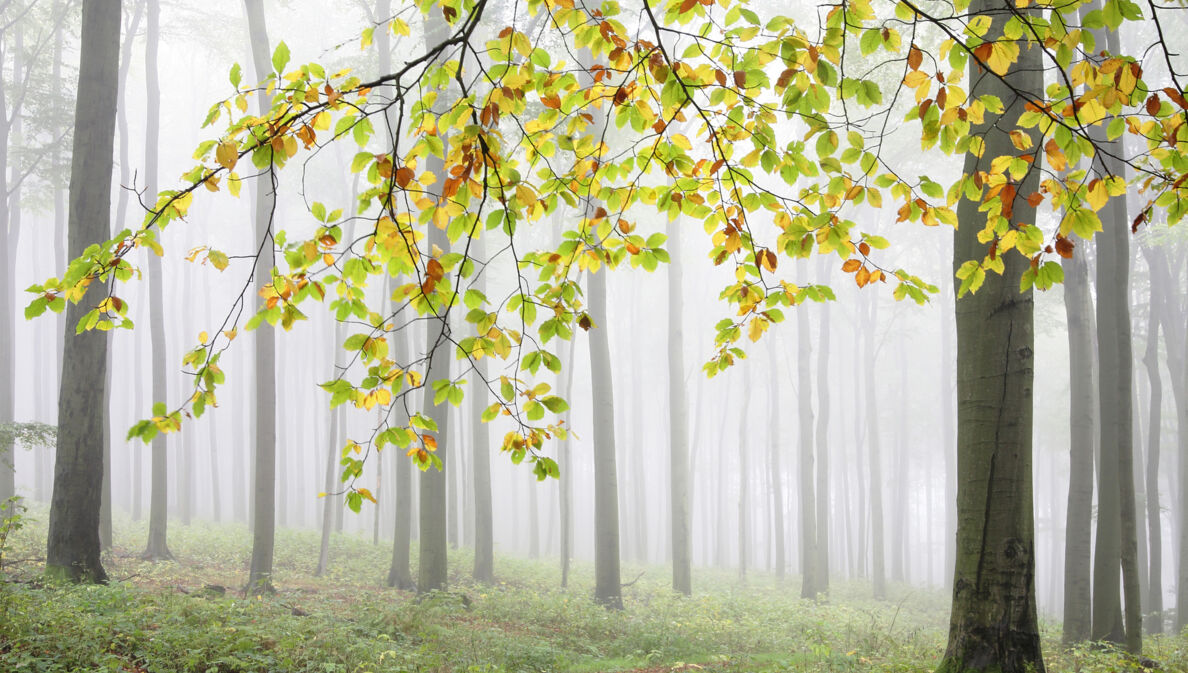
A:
822	565
949	435
565	460
264	478
72	550
433	493
808	515
158	548
993	623
1078	523
878	558
744	487
678	420
10	226
400	570
484	533
1154	621
776	469
607	587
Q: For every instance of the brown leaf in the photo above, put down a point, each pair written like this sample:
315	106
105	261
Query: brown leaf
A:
915	57
740	78
1064	247
1153	104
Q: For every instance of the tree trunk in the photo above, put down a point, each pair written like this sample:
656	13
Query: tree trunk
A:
10	227
1082	433
822	565
776	469
565	461
744	462
400	570
157	548
1117	541
808	515
607	587
678	421
993	623
264	478
72	550
878	558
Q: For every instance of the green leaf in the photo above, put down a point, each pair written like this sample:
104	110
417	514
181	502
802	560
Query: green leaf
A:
236	76
280	58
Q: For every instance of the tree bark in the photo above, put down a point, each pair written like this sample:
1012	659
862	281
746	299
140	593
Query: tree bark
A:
1154	621
822	508
776	468
1117	541
72	550
993	623
1082	434
678	420
607	587
264	478
808	515
878	558
157	548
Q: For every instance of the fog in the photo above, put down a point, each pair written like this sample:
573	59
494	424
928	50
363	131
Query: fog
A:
888	378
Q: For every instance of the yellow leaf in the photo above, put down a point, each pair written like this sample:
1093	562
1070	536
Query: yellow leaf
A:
758	326
1097	194
227	154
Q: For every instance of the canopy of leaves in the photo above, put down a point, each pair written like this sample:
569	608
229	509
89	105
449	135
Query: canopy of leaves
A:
590	124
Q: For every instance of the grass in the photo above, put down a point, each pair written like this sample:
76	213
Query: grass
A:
165	617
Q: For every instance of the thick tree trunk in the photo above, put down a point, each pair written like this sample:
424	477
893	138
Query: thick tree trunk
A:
678	420
72	550
1082	433
264	477
993	623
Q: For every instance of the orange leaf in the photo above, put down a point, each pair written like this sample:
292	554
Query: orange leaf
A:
434	270
851	265
404	175
862	277
430	442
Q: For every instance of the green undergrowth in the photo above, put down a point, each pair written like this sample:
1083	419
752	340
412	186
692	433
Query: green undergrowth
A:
189	615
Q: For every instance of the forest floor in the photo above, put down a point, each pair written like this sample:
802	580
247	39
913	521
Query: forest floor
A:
172	616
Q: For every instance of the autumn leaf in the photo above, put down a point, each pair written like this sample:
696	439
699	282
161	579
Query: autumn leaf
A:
227	155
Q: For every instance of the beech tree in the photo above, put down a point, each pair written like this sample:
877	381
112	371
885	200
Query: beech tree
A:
681	110
73	542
